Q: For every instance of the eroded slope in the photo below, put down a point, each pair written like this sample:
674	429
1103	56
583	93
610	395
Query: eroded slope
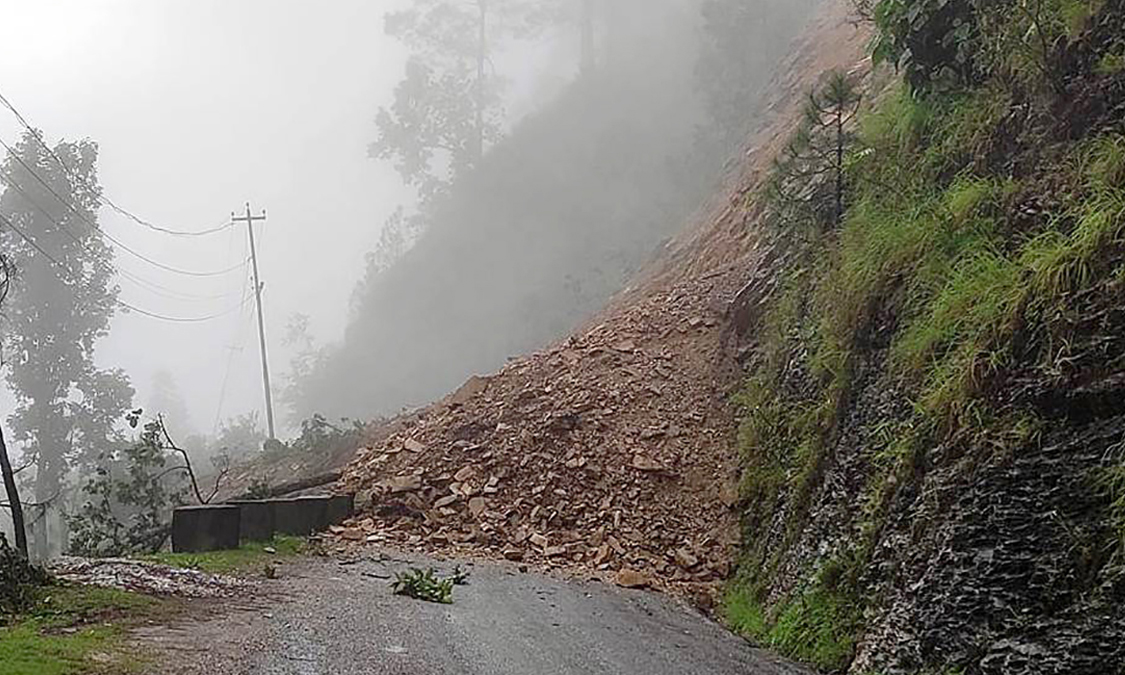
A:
612	452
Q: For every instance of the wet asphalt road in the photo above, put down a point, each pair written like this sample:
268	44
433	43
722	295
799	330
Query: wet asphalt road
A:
324	618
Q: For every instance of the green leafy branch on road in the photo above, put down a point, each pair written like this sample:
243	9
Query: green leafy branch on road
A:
426	585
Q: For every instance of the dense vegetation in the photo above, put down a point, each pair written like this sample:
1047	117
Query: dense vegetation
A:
927	360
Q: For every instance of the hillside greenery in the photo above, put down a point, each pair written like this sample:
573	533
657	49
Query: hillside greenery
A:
982	242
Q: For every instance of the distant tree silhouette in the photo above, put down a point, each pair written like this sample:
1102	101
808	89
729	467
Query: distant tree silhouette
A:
66	408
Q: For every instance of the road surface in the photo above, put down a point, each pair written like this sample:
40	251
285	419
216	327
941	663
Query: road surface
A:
324	617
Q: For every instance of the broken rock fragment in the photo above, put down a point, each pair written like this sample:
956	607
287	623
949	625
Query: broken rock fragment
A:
627	578
685	559
643	462
477	506
400	484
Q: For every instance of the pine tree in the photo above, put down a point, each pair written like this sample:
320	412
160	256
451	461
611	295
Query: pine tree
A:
811	173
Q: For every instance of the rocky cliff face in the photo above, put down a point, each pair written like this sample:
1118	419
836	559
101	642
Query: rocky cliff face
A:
998	559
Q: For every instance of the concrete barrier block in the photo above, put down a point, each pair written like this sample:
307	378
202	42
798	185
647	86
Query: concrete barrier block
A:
196	529
340	508
256	518
301	516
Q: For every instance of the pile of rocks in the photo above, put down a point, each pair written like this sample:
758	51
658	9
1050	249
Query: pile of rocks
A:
610	454
613	453
146	577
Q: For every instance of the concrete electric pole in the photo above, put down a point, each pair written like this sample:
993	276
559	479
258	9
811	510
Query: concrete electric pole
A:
249	219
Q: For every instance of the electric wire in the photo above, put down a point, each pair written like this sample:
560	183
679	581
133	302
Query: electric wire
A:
170	293
85	220
121	303
151	286
37	135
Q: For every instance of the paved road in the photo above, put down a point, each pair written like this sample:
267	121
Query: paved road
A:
327	618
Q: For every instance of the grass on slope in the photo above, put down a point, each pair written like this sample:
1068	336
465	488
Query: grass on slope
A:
816	627
247	557
936	241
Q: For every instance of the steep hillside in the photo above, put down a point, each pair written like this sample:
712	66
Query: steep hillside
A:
611	452
560	214
922	471
934	415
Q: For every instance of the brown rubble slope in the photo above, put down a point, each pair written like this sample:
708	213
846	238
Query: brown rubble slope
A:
610	453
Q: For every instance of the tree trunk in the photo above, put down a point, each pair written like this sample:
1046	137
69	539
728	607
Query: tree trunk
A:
48	482
14	503
482	62
839	166
292	486
587	29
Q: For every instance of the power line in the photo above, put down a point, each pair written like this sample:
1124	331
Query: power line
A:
140	281
35	133
170	293
121	303
82	217
150	285
185	319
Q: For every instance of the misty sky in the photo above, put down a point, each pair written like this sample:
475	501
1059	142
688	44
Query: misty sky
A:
199	106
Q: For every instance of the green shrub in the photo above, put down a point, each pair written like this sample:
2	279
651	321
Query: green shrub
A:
817	626
945	44
933	40
424	585
19	579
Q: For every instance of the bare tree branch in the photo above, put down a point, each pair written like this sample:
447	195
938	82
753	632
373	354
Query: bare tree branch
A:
171	445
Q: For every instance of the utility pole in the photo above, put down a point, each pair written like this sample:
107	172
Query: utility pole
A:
249	219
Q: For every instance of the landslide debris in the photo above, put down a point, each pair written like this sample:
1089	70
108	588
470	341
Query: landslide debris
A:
611	454
608	452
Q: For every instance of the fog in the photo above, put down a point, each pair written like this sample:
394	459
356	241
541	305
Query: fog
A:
198	107
564	209
434	206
